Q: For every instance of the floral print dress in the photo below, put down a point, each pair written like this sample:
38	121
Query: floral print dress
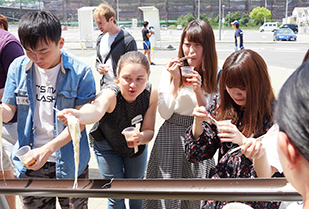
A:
234	165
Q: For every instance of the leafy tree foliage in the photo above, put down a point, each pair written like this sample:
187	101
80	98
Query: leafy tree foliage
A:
189	17
204	17
259	13
182	21
244	19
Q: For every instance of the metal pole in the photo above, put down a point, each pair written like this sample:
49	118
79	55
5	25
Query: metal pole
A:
118	13
259	189
286	12
223	17
265	8
20	12
219	20
229	21
198	9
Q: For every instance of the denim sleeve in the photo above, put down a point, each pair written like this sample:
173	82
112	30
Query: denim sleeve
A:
9	96
86	89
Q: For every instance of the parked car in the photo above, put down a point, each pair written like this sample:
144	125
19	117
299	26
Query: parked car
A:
63	27
270	26
179	27
284	34
163	27
294	27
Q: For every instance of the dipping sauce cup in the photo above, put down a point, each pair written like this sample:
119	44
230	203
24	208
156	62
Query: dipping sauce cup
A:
186	72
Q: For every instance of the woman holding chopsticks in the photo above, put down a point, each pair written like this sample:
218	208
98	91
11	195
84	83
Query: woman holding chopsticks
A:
131	100
178	95
246	97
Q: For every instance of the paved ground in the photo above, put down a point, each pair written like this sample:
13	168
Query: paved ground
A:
278	76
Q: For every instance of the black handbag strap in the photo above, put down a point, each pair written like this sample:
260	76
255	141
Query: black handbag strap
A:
113	46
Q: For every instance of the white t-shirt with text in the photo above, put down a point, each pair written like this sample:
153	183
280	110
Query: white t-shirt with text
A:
46	92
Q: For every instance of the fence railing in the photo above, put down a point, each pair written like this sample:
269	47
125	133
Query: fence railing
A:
274	189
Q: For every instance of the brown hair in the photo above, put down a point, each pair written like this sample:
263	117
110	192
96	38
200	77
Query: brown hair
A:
132	57
106	11
246	69
199	31
4	22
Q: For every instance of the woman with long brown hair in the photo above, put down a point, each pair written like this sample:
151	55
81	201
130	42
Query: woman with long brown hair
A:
247	99
178	95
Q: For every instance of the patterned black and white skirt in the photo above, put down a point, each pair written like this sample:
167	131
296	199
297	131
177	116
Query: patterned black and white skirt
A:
168	161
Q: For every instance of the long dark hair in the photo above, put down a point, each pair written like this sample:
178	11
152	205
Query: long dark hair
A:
199	31
246	69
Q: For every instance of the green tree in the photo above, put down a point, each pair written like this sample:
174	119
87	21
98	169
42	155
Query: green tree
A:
237	16
204	17
211	18
259	13
182	21
216	19
244	19
189	17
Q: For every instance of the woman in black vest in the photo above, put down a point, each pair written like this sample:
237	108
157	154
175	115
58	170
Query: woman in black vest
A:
125	103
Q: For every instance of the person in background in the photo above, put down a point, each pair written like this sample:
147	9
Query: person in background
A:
46	77
146	43
4	25
10	49
111	43
131	99
246	97
178	96
239	44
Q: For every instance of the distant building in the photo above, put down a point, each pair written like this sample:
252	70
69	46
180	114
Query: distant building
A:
301	15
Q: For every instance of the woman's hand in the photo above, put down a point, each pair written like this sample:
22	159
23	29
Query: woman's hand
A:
253	149
196	80
229	133
200	114
174	68
62	115
135	140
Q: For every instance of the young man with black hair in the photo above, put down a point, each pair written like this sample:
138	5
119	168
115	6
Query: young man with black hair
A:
10	49
146	44
47	77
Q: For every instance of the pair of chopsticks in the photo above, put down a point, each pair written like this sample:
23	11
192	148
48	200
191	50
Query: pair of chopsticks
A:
186	57
137	127
272	131
214	120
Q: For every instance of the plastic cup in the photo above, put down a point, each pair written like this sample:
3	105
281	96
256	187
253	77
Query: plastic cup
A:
106	68
185	72
223	122
128	133
22	154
